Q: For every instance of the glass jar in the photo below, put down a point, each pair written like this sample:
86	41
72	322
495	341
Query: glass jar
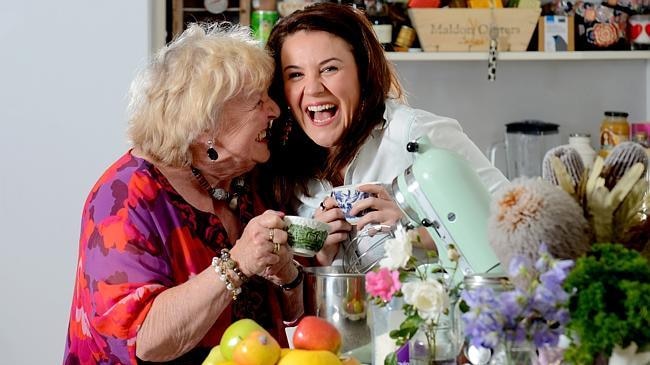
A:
581	142
514	355
614	129
435	344
498	282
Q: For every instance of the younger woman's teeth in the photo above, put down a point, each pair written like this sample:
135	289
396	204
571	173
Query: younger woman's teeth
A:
319	108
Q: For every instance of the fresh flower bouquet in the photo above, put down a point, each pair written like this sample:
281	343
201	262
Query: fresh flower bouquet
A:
533	313
427	289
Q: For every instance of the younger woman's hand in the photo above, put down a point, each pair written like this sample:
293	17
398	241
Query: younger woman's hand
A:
381	207
330	213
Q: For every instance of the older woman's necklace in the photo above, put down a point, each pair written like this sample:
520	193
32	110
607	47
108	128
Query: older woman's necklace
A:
221	194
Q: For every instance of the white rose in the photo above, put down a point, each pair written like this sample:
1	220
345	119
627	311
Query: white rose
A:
429	297
398	253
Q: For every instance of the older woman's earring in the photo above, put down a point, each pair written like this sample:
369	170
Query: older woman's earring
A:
212	153
286	130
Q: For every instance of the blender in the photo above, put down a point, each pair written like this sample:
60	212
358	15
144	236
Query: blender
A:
525	144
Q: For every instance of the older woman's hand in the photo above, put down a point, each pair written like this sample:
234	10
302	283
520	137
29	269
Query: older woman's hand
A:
262	245
383	209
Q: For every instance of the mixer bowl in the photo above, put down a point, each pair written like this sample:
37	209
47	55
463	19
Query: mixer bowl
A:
340	298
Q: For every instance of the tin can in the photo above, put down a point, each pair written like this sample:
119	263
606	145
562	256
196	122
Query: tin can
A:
262	21
405	38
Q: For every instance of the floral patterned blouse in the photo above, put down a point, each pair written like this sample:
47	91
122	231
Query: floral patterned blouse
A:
138	238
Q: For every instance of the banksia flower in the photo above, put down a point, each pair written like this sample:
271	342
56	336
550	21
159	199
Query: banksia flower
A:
531	212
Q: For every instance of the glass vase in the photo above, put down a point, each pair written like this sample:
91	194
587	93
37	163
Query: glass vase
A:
434	344
382	320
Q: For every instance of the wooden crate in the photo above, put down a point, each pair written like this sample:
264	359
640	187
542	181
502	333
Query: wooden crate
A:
468	30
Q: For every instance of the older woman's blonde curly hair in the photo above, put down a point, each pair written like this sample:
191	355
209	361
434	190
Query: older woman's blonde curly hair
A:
182	92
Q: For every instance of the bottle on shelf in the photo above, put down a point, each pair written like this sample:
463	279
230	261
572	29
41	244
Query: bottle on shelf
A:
404	34
613	130
581	142
377	13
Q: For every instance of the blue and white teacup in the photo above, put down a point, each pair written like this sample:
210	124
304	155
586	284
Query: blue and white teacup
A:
346	196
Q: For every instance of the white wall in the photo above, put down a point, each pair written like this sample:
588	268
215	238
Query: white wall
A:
65	68
573	94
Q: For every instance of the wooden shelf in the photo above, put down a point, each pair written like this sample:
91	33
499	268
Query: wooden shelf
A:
521	56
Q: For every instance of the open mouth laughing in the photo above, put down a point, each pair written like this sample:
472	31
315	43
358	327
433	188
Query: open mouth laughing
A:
322	114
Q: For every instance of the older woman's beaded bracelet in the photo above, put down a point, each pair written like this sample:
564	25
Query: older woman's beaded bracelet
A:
232	265
221	265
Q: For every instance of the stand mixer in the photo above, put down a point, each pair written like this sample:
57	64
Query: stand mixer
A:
443	193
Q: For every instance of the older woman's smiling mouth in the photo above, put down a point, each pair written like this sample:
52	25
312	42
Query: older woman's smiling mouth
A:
322	114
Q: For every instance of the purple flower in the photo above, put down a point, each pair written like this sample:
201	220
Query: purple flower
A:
534	310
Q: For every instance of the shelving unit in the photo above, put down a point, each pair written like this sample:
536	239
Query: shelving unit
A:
549	86
521	56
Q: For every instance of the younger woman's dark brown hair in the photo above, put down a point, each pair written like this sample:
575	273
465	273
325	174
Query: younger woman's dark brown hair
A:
295	159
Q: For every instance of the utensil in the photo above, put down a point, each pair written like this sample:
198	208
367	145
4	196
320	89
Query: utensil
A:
364	251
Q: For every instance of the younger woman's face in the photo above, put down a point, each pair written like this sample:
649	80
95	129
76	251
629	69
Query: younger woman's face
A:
321	84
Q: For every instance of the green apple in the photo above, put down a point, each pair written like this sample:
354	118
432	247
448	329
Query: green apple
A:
235	333
214	357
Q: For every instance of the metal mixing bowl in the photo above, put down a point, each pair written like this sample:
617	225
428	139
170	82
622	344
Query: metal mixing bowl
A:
340	298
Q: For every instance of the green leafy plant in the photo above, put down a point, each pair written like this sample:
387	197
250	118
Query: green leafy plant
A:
610	305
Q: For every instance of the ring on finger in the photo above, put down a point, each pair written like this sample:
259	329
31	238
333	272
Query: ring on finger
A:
271	234
276	247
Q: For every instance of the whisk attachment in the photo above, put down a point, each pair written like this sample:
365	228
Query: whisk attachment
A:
366	249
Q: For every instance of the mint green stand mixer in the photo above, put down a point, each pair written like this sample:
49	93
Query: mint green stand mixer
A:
443	193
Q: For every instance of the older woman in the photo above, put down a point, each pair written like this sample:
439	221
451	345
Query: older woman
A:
344	120
174	245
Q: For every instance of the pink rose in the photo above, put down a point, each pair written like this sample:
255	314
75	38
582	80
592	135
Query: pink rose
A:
383	283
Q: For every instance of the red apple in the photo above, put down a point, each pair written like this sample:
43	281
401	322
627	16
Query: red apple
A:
315	333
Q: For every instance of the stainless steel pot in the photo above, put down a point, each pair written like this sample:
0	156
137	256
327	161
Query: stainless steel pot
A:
340	298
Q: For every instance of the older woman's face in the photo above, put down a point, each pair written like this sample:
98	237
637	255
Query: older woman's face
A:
320	84
243	141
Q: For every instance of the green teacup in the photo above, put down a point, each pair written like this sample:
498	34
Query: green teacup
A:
306	236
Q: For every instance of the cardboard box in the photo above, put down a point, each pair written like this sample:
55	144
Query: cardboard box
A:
556	33
468	30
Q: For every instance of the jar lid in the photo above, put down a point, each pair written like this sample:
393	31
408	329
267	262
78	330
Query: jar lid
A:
531	127
611	113
580	135
492	280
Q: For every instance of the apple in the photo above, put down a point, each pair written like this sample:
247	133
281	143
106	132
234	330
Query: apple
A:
235	333
214	357
315	333
258	348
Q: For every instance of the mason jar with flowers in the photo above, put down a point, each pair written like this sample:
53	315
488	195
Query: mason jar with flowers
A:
513	325
429	294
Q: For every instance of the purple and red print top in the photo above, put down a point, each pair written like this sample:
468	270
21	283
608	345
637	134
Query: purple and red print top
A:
138	238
